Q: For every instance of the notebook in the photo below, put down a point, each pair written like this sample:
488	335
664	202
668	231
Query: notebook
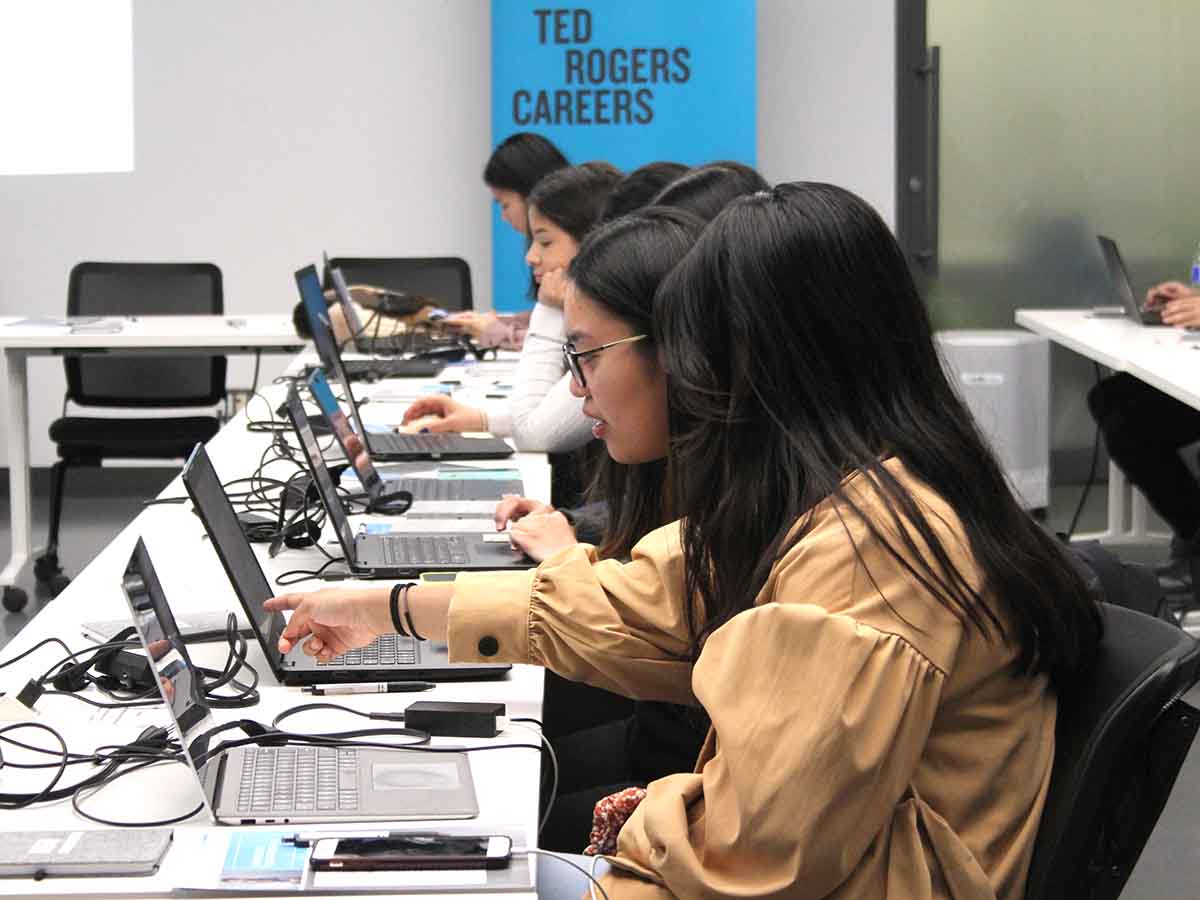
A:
292	783
422	546
1119	276
446	495
391	658
387	446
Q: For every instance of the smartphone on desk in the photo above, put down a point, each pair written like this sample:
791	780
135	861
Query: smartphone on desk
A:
425	850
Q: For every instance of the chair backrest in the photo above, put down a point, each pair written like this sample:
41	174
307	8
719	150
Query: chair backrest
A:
1122	736
445	279
145	289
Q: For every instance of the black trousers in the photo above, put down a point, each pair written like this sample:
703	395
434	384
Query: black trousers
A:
1143	429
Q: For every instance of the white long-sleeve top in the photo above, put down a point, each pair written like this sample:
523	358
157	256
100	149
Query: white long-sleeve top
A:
542	415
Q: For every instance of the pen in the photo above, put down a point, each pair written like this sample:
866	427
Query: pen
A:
387	687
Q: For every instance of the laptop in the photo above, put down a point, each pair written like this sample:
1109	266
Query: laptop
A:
412	548
389	446
317	311
292	783
1119	276
390	658
440	495
363	341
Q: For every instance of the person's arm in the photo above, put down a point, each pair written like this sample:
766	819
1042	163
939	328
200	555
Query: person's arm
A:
544	415
609	624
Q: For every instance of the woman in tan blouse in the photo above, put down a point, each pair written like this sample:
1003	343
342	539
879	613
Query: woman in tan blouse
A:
872	623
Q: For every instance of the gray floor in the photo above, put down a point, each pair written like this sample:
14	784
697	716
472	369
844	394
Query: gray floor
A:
101	503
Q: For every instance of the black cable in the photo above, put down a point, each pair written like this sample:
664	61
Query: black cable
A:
38	645
1066	537
295	576
43	794
85	792
254	380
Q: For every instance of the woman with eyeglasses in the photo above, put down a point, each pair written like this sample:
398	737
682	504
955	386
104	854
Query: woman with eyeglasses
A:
851	592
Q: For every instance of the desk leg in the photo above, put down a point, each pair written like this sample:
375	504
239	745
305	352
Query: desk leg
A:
18	468
1121	494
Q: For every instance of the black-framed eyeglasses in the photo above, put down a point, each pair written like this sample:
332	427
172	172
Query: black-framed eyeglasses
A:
572	357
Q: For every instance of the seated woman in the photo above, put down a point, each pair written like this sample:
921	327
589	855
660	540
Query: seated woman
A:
541	414
851	592
1144	431
518	163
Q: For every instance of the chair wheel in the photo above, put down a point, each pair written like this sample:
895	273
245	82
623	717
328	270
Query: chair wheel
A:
14	598
57	584
45	567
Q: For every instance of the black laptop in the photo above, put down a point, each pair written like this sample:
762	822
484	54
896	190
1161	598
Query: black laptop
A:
460	492
317	311
380	551
1119	276
390	658
389	446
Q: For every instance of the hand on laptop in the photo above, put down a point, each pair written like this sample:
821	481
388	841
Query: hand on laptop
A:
446	414
1161	294
1182	311
535	528
334	619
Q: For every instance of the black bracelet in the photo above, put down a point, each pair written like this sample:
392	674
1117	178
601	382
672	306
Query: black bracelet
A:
412	630
394	606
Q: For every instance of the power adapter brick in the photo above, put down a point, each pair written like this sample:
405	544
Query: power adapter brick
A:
456	719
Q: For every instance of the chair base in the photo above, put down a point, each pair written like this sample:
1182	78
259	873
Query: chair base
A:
15	598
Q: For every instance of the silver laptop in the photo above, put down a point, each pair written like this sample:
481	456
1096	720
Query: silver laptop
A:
1119	276
466	495
290	783
390	658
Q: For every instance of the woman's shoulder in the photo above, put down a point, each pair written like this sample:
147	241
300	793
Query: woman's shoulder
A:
860	555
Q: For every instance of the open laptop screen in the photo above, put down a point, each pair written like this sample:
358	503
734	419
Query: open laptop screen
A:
229	541
320	474
352	445
353	322
178	681
317	311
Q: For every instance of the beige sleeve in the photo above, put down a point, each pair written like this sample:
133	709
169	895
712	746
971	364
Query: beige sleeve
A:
819	724
613	625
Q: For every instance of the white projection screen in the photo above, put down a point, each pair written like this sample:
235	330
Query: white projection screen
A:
66	86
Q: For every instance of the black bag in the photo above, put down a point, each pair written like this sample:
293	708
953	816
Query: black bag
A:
1131	585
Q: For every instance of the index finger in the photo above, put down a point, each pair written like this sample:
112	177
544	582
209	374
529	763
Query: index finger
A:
283	601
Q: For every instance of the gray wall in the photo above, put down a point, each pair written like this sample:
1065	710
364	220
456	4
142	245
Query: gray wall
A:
265	132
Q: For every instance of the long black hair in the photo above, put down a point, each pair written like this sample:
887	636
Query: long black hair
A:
573	198
798	352
708	189
619	267
639	187
520	161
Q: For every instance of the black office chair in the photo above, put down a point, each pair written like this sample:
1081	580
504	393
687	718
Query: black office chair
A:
1121	740
142	381
444	279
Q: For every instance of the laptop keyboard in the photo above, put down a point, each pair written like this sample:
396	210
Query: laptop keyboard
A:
424	550
305	779
430	488
413	443
385	650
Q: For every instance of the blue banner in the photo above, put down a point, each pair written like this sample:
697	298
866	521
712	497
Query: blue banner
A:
625	82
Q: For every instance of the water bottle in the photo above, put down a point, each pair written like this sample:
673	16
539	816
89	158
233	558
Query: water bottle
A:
1196	270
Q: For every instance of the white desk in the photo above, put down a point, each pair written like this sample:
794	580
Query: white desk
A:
506	781
147	334
1161	357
